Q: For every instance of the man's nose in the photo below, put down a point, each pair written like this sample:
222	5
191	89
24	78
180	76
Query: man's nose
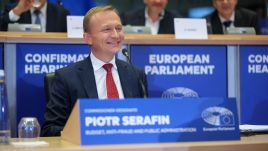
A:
115	33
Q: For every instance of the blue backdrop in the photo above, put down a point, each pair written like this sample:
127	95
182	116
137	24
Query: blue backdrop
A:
1	56
33	62
254	84
183	71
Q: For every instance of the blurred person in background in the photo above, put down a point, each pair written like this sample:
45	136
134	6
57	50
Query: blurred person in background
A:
51	17
154	15
76	7
228	15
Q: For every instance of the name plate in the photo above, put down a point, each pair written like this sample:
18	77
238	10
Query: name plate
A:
75	26
152	121
188	28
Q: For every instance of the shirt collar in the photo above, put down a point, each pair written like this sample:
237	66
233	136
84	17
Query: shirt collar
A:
42	10
97	63
232	18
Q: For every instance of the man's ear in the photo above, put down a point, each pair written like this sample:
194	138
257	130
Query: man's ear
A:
87	38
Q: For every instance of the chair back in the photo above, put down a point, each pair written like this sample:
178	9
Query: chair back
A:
48	81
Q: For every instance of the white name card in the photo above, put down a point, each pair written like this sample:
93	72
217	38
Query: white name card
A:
186	28
75	26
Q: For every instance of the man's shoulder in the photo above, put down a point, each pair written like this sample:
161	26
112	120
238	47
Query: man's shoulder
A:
122	63
171	14
211	15
245	12
57	8
9	6
73	68
135	12
133	17
128	66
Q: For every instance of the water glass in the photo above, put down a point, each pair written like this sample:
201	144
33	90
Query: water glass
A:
29	128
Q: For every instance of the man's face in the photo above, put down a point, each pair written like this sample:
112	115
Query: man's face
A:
157	5
105	34
225	7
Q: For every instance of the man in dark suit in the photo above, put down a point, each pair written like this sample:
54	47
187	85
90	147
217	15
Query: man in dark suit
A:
90	78
227	15
154	15
51	17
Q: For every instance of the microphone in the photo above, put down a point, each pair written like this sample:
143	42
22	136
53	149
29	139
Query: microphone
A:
125	53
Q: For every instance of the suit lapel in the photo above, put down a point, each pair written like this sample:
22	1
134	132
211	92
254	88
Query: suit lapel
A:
162	26
216	24
50	18
124	79
86	74
140	19
238	18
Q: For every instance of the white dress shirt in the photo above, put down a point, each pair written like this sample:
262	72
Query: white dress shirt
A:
100	77
153	25
232	18
43	16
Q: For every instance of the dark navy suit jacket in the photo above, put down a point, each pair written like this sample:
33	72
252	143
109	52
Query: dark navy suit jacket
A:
243	18
137	17
78	81
56	18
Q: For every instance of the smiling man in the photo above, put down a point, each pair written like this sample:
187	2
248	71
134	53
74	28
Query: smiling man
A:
154	15
228	15
100	75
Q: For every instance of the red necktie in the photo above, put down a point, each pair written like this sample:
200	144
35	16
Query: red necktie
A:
110	85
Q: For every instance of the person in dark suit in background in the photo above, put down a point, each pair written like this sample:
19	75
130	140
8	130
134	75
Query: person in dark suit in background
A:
154	15
228	15
51	17
88	78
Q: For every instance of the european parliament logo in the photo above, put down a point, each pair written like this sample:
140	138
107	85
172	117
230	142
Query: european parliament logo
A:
218	116
179	92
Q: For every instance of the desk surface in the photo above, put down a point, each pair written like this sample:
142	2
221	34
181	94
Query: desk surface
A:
252	143
36	37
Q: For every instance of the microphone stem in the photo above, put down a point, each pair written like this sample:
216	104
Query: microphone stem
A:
125	53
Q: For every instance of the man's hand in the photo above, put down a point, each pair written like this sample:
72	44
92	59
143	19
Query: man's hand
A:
23	6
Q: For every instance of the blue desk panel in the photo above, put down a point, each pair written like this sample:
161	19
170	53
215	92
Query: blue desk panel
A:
183	71
254	84
156	120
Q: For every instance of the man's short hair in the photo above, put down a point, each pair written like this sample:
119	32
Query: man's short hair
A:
94	11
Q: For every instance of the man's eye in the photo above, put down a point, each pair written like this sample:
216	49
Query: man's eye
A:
119	28
107	29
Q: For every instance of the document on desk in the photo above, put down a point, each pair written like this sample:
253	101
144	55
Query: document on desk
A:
253	128
30	143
